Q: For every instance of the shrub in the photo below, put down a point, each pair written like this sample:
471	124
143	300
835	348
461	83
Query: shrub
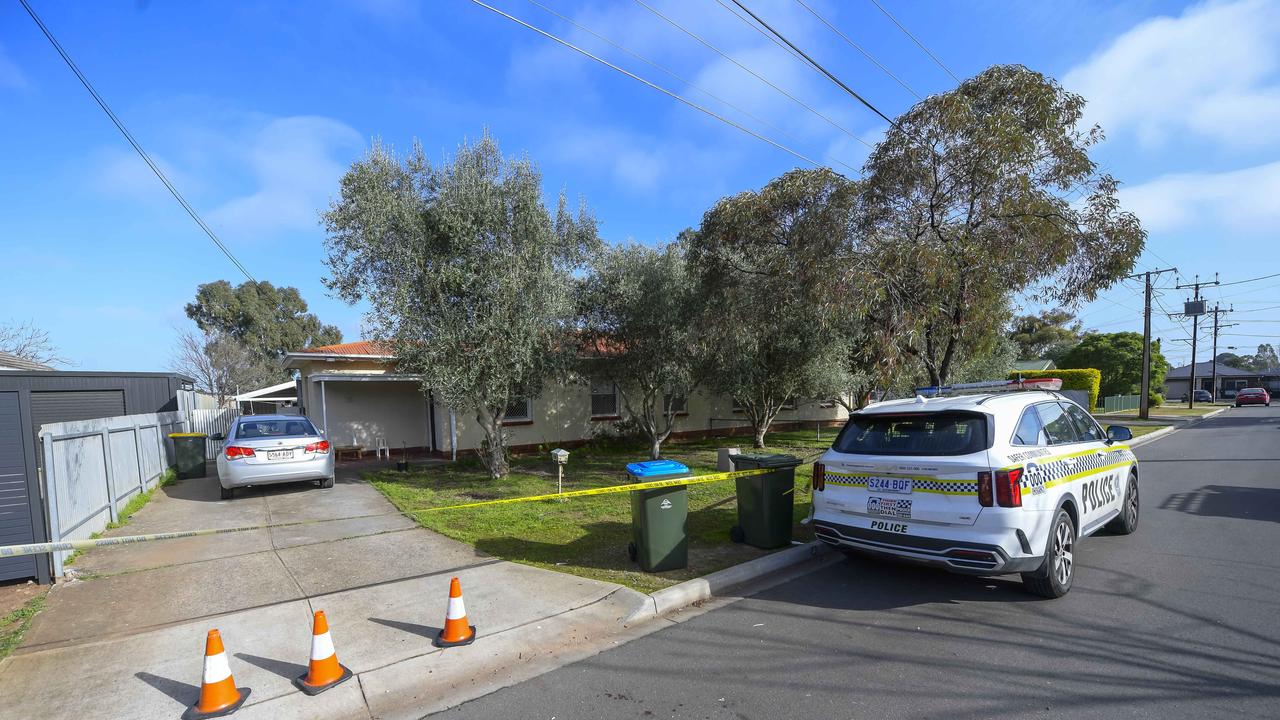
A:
1155	399
1087	379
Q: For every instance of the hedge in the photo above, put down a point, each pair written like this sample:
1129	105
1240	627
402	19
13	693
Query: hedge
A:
1087	379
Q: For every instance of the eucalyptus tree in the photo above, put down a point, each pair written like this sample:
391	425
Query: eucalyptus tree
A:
637	310
776	324
975	195
467	275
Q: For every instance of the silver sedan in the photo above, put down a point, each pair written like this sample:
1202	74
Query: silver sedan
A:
266	449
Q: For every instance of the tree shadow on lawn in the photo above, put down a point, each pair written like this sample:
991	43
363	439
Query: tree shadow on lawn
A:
602	546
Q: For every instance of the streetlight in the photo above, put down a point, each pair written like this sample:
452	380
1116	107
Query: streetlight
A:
561	456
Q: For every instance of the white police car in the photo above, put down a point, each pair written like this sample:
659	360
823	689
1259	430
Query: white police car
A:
991	483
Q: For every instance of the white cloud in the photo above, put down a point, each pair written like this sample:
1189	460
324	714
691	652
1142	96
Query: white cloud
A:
10	75
1243	201
251	177
1209	72
296	163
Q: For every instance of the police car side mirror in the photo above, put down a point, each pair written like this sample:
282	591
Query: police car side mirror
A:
1119	433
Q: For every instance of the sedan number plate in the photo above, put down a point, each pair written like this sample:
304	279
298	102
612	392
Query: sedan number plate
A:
889	507
279	454
890	484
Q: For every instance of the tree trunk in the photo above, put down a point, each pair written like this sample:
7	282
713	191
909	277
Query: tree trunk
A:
760	432
655	448
493	455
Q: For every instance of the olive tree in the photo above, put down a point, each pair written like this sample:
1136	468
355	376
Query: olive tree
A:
467	275
975	195
637	309
775	331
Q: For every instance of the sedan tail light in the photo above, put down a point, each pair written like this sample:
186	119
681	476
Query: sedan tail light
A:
318	447
819	476
234	451
1009	487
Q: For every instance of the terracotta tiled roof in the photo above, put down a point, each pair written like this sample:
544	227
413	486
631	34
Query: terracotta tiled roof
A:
360	347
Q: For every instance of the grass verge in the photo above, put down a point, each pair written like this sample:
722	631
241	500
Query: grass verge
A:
136	503
1170	411
588	536
15	625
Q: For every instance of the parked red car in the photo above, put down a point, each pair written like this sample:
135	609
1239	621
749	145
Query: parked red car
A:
1253	396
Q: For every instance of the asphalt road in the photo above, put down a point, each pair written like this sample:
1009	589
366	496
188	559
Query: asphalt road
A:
1180	620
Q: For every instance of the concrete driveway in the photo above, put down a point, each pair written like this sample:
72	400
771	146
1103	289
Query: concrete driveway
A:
126	641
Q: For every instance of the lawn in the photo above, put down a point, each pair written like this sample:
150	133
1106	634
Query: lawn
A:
1170	411
588	536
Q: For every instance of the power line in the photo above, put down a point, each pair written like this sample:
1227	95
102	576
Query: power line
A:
916	40
129	136
679	78
753	73
1241	282
815	64
659	88
858	47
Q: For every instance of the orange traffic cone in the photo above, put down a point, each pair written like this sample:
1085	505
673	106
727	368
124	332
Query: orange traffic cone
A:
456	630
218	692
325	671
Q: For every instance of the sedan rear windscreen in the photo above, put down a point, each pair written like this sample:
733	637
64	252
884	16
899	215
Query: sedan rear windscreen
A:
944	433
293	427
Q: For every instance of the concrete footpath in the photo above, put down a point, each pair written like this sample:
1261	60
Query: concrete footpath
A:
127	641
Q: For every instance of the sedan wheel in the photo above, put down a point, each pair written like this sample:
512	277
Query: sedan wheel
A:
1063	560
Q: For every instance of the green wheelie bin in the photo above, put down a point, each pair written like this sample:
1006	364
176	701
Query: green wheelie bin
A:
188	451
765	502
658	517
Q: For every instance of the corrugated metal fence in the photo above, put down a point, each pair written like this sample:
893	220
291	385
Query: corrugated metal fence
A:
1116	403
212	422
93	467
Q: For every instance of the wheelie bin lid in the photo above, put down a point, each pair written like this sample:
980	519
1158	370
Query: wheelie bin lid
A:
191	435
765	460
655	468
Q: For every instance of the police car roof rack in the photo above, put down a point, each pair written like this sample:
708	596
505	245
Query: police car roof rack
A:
990	387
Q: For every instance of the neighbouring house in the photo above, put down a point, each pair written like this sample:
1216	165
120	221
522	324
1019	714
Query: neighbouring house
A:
9	361
1034	365
278	398
356	394
1230	380
32	398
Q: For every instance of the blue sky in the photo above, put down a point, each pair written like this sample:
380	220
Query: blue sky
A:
255	109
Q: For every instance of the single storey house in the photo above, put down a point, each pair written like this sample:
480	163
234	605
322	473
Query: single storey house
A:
355	392
1230	380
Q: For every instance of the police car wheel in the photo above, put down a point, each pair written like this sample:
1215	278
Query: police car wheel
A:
1127	521
1053	578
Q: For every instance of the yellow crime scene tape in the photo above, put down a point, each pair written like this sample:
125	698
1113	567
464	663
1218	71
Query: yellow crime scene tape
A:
40	548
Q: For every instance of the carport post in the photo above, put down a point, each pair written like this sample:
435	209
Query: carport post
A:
324	412
111	480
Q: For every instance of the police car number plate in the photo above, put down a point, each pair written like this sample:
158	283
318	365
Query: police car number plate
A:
889	507
890	484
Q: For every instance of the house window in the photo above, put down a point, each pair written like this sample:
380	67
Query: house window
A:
604	398
519	410
675	404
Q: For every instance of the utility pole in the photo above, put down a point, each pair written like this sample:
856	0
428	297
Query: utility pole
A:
1194	309
1217	310
1144	402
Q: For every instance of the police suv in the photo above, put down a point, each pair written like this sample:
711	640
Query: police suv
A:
991	483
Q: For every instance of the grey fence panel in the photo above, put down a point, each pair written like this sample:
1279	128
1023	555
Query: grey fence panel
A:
92	468
126	472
